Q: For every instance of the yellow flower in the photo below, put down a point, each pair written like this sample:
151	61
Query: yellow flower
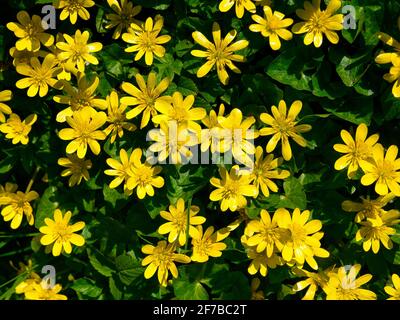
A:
18	130
232	189
76	50
38	76
355	150
210	136
303	242
30	32
394	291
265	235
162	258
37	292
282	126
236	136
375	231
5	95
17	205
388	57
67	67
344	285
145	97
394	76
382	170
24	56
273	26
208	244
80	97
59	233
73	8
266	169
123	16
144	177
220	53
27	285
84	131
259	260
314	281
116	117
256	295
5	192
318	23
367	208
173	142
76	168
121	170
180	110
240	5
146	40
178	218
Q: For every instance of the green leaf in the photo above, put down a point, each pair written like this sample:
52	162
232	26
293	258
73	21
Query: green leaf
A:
294	197
101	264
129	269
185	290
115	289
187	86
86	287
47	205
6	164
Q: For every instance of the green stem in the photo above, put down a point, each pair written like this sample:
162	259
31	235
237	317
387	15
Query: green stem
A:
30	184
188	223
19	235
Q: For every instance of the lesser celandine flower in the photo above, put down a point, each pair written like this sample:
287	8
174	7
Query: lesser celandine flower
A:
17	130
375	231
314	281
388	57
38	292
73	9
144	97
255	293
221	53
24	56
180	220
123	16
355	149
39	76
144	176
30	32
383	170
318	23
394	77
283	125
260	262
181	110
236	135
266	170
146	39
265	235
240	6
76	168
272	26
84	131
173	142
344	285
18	205
84	95
59	233
77	51
5	95
121	170
8	189
116	117
303	241
232	189
161	259
208	244
210	136
394	290
367	208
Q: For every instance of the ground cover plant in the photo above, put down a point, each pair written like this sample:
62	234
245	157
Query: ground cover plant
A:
199	149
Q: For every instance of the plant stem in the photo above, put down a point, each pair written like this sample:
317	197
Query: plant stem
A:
30	184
